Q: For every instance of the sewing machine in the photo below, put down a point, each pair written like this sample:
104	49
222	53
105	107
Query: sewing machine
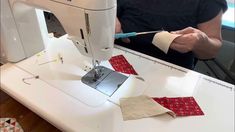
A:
89	24
55	90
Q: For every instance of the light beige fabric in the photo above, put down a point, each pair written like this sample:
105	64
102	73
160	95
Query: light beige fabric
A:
141	107
163	40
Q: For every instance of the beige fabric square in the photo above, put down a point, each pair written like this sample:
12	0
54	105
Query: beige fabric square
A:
141	107
163	40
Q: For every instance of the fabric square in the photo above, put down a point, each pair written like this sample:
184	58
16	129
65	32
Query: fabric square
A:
181	106
120	64
141	107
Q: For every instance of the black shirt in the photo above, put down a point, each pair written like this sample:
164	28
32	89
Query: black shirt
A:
170	15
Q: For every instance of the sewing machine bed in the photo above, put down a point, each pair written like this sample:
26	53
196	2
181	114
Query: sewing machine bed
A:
59	96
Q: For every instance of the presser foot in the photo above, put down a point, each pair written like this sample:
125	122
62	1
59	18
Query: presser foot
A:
104	80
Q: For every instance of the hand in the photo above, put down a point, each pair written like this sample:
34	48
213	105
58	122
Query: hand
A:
189	40
118	29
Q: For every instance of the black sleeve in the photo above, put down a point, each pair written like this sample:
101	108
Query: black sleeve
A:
208	9
120	7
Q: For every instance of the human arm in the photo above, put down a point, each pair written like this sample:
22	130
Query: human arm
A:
118	29
204	42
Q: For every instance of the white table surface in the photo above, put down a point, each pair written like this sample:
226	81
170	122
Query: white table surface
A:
61	98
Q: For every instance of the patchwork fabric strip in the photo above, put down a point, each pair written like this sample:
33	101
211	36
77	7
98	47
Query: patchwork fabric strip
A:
10	125
120	64
182	106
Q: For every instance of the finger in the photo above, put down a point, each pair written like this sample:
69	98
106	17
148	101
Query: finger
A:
126	40
186	38
178	47
181	39
185	31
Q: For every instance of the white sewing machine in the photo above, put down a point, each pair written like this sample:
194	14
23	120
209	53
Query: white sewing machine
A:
89	24
55	90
